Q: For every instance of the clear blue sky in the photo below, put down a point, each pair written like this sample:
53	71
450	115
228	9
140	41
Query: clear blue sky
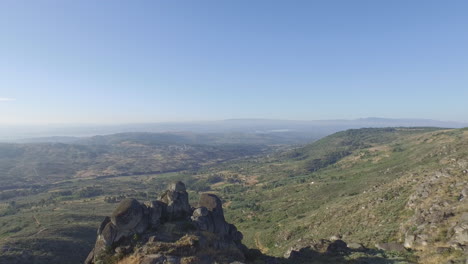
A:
68	61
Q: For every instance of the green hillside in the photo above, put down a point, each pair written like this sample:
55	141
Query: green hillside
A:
357	184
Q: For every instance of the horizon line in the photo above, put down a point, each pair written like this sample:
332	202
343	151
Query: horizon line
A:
224	120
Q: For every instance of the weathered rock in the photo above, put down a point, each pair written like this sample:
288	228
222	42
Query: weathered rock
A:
143	225
127	215
103	225
201	211
157	209
202	220
211	202
176	199
159	227
107	234
90	258
214	220
234	233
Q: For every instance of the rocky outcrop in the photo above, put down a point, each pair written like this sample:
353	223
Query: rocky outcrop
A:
176	199
435	215
168	230
209	216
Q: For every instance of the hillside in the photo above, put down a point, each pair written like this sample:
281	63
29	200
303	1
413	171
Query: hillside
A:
373	188
367	186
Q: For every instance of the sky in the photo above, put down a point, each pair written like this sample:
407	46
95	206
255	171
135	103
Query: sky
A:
106	62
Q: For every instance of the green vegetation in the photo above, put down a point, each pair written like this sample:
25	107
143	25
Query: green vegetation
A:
355	183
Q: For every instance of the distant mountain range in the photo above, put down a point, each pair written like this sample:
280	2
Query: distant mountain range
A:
306	130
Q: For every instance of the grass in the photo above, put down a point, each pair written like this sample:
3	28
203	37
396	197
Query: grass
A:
363	196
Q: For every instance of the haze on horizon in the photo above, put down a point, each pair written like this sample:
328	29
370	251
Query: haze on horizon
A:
101	62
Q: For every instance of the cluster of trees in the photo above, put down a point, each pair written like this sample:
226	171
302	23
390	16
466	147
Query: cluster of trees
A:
14	207
329	159
235	188
8	194
89	191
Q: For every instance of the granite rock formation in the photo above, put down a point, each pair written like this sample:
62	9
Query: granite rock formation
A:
168	230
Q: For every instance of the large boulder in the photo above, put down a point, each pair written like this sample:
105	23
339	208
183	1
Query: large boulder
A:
107	234
157	211
209	216
212	203
127	215
176	199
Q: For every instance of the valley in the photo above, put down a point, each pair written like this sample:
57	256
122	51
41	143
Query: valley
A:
371	187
